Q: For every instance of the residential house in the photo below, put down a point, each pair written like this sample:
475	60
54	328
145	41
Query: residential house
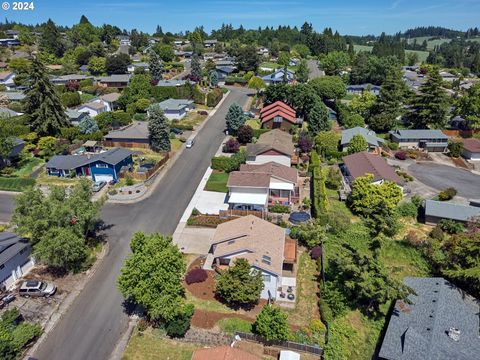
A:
254	187
210	43
439	321
75	116
62	80
135	135
471	149
224	71
359	89
119	81
18	145
14	258
436	211
278	77
222	353
176	109
109	100
13	95
6	79
446	76
273	146
173	82
258	241
363	163
278	116
263	51
124	40
93	108
10	42
374	142
137	65
13	33
105	166
431	140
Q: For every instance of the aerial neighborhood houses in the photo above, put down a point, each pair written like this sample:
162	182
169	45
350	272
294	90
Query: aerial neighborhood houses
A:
431	140
134	135
374	142
273	146
278	116
278	76
359	89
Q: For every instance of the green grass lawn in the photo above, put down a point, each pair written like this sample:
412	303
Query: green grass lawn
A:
28	166
422	55
231	325
217	182
15	183
253	123
176	144
273	66
86	97
149	345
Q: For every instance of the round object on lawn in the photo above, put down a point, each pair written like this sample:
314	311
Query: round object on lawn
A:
299	217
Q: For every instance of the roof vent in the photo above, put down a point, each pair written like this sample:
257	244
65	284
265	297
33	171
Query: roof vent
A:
454	334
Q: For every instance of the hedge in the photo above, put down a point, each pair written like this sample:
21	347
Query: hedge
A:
319	190
229	164
279	209
230	80
214	97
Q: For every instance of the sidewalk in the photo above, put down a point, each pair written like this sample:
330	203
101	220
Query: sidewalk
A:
161	173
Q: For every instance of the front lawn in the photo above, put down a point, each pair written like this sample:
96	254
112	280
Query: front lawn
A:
151	345
28	166
253	123
176	144
15	184
217	182
233	324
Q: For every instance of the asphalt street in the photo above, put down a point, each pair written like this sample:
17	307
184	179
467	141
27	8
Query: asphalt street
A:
96	320
6	207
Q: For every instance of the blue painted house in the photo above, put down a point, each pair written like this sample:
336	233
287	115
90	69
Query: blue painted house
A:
105	166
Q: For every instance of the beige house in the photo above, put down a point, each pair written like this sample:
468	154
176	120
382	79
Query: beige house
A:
275	145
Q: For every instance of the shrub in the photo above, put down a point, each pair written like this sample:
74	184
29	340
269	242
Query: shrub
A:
437	233
142	325
335	299
279	209
392	146
245	134
180	324
334	179
229	164
231	146
195	212
214	97
452	226
455	148
316	252
447	194
407	209
401	155
196	276
128	181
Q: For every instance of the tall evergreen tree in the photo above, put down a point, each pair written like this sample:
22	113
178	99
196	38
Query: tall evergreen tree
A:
159	129
50	40
388	105
431	107
45	112
213	78
302	71
88	125
235	118
155	67
318	118
196	68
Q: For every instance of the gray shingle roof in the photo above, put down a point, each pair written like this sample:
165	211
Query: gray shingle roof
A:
10	245
369	135
424	134
116	78
137	130
447	210
70	162
420	330
13	95
175	104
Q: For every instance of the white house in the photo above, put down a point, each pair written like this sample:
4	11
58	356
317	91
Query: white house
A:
6	79
261	243
176	109
93	108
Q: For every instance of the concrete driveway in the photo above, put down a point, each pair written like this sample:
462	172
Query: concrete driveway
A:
6	206
441	177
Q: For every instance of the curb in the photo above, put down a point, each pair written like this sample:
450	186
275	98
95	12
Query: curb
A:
63	307
170	163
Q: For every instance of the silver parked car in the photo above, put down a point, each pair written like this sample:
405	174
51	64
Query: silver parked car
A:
98	185
37	288
189	143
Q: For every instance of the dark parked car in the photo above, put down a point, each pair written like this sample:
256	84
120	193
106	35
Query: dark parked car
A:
176	131
6	299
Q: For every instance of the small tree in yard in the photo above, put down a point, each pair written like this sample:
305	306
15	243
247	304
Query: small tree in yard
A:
231	146
155	67
88	125
455	148
245	134
305	142
318	118
235	118
213	78
159	129
239	285
357	144
272	324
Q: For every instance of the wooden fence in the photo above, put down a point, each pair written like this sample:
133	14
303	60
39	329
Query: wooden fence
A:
127	144
143	176
461	133
312	349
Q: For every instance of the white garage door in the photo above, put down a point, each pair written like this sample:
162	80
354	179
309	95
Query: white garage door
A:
106	178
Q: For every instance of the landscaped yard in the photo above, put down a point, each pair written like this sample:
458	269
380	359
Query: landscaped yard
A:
176	144
253	123
44	179
151	345
193	118
15	184
217	182
28	166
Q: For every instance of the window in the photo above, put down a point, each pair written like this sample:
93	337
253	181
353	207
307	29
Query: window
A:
2	266
267	259
101	166
277	119
266	278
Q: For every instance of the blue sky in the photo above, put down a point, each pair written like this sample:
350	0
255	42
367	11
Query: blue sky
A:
346	16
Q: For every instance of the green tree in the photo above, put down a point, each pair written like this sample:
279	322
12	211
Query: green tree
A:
468	107
235	118
139	88
334	62
455	148
165	52
50	39
357	144
61	248
312	234
327	143
152	277
256	83
366	195
318	118
352	120
247	58
432	105
238	285
155	67
283	59
272	324
301	50
213	78
97	65
302	71
88	125
329	87
117	64
45	112
388	105
363	103
196	69
159	129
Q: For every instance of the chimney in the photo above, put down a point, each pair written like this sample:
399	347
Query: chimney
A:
454	334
